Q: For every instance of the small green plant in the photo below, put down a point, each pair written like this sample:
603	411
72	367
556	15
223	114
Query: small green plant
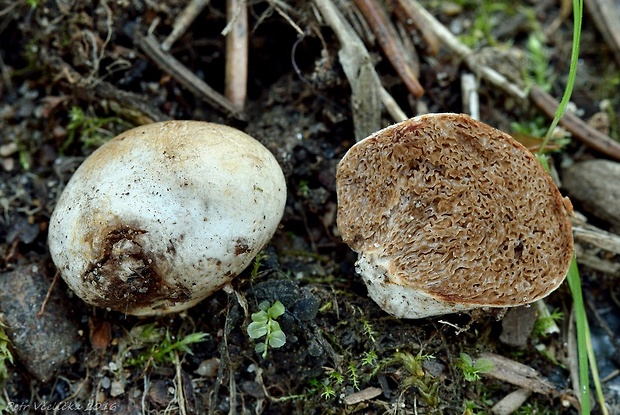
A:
544	323
89	128
368	330
539	70
5	356
473	368
471	408
256	264
480	30
336	377
426	385
369	358
304	189
353	376
488	15
162	346
535	127
328	391
324	388
264	324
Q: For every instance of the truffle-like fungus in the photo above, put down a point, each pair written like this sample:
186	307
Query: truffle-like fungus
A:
449	214
164	215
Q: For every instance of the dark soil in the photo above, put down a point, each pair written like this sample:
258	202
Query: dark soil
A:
72	77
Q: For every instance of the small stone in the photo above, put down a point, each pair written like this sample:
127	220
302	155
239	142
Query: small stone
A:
41	342
159	394
208	368
8	149
105	382
517	326
118	388
253	389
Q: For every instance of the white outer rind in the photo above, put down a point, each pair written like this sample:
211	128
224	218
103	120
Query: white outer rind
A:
205	198
401	301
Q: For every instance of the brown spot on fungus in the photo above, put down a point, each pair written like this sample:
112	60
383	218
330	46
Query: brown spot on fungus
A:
242	247
125	277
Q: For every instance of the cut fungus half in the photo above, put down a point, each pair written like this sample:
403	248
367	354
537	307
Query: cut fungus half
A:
448	214
165	214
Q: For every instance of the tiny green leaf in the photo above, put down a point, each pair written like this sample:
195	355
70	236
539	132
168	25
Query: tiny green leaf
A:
276	310
277	339
259	348
257	330
260	317
484	365
274	326
466	359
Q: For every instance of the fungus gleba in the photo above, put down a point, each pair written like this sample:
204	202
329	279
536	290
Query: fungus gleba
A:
165	214
448	214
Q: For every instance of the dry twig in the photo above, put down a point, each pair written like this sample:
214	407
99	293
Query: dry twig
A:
389	41
179	384
580	129
236	52
511	402
469	90
409	18
518	374
48	295
178	71
131	105
183	21
597	237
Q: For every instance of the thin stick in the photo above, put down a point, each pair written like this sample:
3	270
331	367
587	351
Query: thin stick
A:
133	106
236	53
409	18
390	43
580	129
178	71
179	386
469	90
597	237
48	295
183	21
391	106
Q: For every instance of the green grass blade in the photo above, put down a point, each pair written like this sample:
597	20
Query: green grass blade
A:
581	322
572	73
574	281
595	377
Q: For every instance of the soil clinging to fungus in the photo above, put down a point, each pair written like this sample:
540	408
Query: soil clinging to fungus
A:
449	214
164	215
